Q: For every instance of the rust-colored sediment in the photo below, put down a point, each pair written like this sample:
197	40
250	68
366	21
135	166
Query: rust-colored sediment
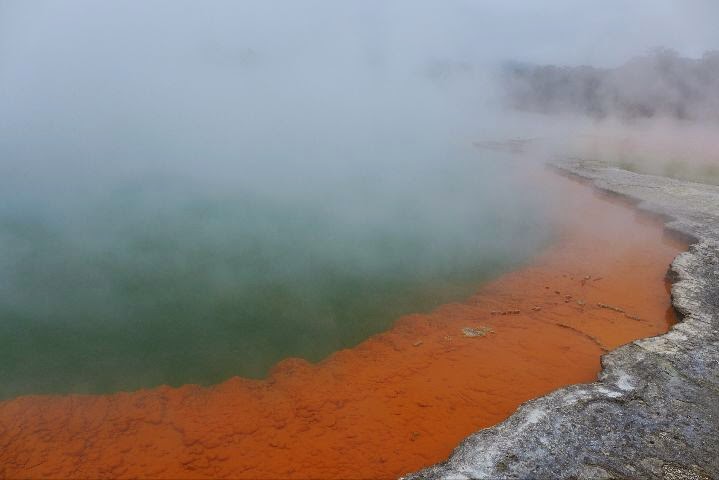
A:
399	401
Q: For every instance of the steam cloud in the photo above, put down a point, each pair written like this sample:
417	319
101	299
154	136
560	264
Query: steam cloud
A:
157	158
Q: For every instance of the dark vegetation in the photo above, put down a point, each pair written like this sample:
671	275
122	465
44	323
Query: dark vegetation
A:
660	83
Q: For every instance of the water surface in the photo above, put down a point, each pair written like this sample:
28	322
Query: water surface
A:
169	279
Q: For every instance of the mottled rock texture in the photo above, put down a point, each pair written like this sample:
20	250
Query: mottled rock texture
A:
654	410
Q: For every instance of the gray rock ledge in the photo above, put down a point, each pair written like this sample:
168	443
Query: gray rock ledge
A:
654	410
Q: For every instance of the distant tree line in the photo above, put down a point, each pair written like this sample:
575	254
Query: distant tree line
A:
660	83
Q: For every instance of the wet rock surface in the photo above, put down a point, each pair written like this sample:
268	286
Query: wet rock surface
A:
654	410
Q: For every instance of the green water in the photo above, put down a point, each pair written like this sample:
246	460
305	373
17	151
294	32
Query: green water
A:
160	281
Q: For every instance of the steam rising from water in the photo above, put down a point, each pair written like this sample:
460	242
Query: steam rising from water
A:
191	191
188	212
168	279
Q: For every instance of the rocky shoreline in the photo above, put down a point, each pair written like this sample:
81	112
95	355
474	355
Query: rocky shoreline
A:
654	410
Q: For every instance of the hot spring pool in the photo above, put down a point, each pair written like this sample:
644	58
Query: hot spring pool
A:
165	279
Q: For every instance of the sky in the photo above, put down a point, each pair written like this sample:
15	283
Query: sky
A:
573	31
